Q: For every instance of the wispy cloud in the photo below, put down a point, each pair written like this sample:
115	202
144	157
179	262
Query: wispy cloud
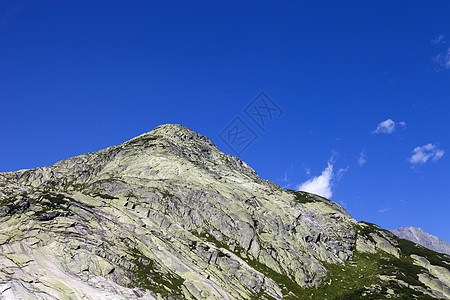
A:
442	60
388	126
10	14
362	158
308	171
343	204
422	154
285	178
439	39
384	210
341	173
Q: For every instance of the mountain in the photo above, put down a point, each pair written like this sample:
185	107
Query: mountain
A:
166	215
417	235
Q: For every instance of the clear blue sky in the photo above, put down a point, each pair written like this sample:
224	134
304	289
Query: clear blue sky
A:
78	76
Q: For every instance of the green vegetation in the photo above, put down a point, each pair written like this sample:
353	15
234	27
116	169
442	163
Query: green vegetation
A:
10	206
46	206
50	206
284	281
407	247
54	200
104	196
71	184
51	185
355	279
435	258
167	194
109	180
150	138
146	139
78	187
302	197
289	288
130	195
262	295
359	277
346	279
147	274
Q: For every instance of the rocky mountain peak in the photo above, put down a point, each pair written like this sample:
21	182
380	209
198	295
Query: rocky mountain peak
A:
178	134
180	142
182	134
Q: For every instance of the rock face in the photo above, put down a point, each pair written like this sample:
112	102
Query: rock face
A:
417	235
166	215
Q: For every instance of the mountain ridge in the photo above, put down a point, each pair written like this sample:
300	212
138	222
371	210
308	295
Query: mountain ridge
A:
419	236
166	214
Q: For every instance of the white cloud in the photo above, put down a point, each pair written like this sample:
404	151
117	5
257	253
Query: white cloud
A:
384	210
423	153
442	60
388	126
320	185
362	158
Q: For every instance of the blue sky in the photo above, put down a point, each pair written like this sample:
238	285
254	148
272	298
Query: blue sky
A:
76	77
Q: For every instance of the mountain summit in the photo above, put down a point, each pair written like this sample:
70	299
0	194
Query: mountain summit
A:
166	215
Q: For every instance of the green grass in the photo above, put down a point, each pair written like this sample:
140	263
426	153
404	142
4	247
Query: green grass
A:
284	281
352	281
357	278
47	207
147	275
51	206
433	257
302	197
289	287
55	199
9	207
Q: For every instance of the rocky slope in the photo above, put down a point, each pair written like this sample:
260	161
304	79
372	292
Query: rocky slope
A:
417	235
166	215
